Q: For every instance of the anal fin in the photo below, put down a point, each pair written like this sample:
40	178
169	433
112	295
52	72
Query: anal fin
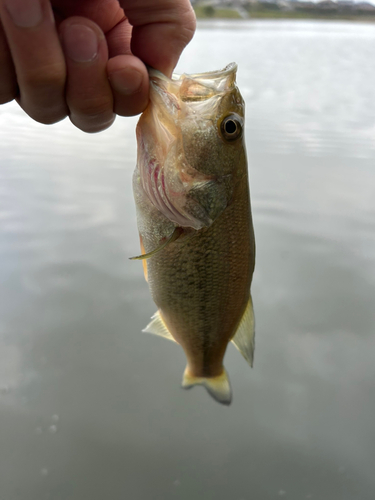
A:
158	327
244	338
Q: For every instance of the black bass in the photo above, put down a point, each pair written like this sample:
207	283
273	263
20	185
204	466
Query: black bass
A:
194	219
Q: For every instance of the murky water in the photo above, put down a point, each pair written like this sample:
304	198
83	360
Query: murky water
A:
91	408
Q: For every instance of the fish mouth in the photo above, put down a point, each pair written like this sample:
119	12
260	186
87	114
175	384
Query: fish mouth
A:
230	69
192	87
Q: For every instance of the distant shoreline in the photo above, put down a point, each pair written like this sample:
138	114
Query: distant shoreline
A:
233	14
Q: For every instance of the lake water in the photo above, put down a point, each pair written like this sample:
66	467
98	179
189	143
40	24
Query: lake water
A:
90	407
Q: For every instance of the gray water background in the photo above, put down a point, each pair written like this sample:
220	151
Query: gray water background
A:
91	408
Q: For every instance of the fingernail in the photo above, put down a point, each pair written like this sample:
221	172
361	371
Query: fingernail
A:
126	81
80	43
25	13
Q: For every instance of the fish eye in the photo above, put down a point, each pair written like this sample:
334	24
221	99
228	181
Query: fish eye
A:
231	128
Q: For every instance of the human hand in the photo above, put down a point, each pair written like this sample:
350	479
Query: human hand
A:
86	58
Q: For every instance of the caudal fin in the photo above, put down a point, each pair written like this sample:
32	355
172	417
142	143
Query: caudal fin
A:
217	387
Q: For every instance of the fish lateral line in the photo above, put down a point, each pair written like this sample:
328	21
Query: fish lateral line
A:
173	237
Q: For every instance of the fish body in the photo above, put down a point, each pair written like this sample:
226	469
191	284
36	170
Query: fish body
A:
194	219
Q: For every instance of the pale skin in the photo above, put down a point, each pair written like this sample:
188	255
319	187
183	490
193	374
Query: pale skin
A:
87	59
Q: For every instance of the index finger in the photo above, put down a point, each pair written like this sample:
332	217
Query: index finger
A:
161	30
37	57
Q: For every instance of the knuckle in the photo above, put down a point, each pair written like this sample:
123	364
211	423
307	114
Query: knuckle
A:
94	107
42	78
189	24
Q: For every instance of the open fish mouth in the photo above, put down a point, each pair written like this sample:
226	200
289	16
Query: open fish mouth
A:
185	94
220	80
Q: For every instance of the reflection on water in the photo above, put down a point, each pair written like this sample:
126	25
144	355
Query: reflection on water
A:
90	408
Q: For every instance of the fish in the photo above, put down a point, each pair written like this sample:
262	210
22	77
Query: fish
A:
191	192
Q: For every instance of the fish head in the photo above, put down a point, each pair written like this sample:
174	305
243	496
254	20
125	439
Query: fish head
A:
191	149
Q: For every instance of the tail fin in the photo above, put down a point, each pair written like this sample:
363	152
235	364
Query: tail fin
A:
218	387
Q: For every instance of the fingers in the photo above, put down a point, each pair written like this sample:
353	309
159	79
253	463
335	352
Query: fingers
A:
161	30
127	74
56	77
130	84
106	14
8	80
37	57
88	92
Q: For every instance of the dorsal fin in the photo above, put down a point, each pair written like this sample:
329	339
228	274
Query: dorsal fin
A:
158	327
244	338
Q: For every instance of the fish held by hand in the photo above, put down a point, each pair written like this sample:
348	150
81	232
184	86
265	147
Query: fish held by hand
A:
194	219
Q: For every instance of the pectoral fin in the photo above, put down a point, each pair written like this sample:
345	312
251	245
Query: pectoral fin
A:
144	262
173	237
206	201
244	339
158	327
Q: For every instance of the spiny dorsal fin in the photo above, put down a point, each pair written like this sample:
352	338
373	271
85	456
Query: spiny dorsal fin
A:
244	339
173	237
158	327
